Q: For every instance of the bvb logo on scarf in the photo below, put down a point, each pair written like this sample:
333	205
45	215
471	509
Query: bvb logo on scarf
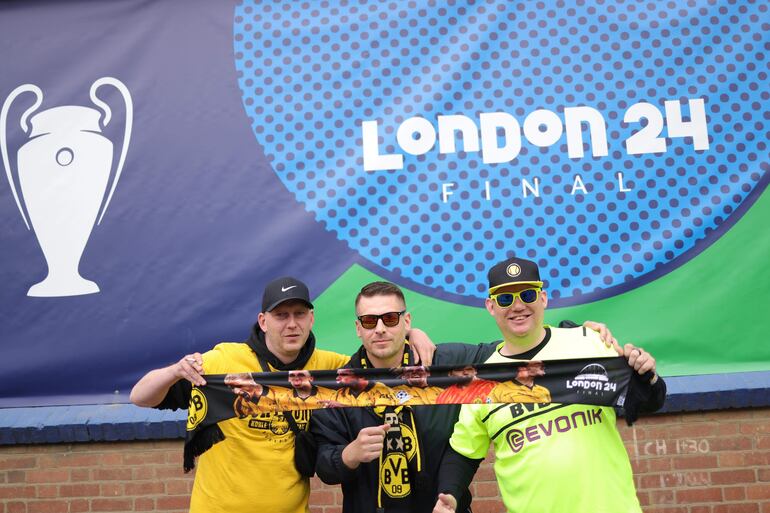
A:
399	450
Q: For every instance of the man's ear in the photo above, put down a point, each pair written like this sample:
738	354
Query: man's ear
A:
261	320
358	328
544	298
312	319
490	304
408	321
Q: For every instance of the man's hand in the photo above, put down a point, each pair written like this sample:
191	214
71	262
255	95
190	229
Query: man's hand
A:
366	447
190	367
605	334
639	359
423	347
445	504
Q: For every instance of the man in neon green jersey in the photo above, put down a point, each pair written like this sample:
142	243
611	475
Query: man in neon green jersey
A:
548	457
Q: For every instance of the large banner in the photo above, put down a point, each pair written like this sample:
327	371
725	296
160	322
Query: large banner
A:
162	161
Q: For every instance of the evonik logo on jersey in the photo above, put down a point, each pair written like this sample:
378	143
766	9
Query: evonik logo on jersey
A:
63	171
516	438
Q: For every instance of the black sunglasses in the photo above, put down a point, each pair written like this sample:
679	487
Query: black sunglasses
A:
389	319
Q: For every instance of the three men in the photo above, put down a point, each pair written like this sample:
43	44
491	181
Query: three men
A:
247	462
581	467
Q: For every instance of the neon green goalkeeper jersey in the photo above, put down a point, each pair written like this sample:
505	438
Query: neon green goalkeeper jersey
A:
553	457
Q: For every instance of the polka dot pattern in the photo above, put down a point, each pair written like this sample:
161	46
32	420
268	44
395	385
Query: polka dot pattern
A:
311	72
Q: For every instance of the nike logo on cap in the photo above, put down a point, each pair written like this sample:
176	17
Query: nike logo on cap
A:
287	288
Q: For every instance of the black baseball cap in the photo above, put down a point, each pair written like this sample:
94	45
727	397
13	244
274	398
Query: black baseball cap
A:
283	289
512	272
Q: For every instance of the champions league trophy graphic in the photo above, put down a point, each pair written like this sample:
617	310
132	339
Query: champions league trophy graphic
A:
63	173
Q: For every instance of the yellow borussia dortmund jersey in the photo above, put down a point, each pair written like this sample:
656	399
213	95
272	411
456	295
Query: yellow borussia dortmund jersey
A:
253	468
553	457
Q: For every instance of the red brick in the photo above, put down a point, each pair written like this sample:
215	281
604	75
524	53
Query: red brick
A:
488	506
16	476
111	460
737	443
48	507
47	491
79	506
16	463
757	458
79	490
322	497
80	474
755	428
17	507
69	460
112	474
758	491
486	489
659	464
649	481
144	458
661	497
175	503
184	486
734	493
696	495
726	428
115	489
763	474
144	504
17	492
144	488
48	476
700	509
736	508
733	476
111	504
701	461
732	459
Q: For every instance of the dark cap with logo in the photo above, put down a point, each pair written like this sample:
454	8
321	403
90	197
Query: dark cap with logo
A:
284	289
512	272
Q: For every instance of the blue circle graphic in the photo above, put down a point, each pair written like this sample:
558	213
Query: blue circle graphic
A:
311	73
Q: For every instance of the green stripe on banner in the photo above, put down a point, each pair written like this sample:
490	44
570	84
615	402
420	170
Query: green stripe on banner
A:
705	317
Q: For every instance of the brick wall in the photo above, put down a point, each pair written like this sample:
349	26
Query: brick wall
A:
715	462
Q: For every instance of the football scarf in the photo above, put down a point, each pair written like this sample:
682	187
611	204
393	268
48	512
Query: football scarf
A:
597	381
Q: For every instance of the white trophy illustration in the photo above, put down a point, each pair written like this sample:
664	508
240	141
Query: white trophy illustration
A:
63	173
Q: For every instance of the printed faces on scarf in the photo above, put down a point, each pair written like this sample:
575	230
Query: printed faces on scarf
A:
384	345
287	328
519	320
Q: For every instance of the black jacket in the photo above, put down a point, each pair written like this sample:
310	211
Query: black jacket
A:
335	428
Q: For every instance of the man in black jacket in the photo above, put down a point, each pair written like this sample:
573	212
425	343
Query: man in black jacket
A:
387	459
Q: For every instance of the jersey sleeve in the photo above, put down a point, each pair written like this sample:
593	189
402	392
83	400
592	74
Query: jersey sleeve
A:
470	437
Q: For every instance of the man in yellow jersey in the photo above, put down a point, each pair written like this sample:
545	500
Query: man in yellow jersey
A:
247	463
548	457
